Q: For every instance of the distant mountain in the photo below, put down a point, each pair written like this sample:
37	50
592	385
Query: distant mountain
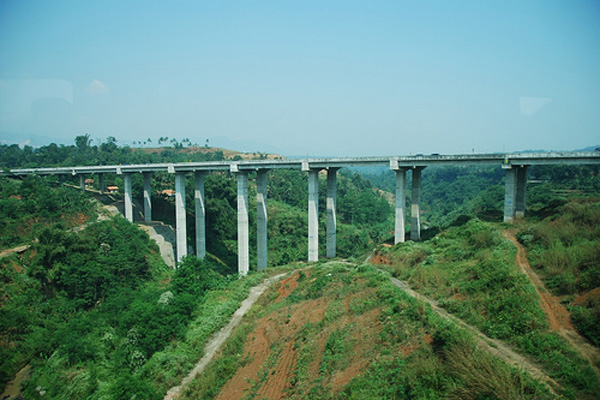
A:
591	148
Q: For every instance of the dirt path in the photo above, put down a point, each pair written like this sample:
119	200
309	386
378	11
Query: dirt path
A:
104	212
18	249
557	314
165	237
220	337
492	346
13	388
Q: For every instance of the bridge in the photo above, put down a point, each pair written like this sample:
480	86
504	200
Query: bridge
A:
514	164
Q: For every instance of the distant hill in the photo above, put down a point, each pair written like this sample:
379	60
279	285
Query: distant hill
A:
227	153
590	148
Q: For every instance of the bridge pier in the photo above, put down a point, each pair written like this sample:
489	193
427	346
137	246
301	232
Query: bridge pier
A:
261	219
399	230
520	200
331	215
180	217
509	194
127	197
313	215
514	192
200	215
82	182
147	197
415	212
243	243
101	183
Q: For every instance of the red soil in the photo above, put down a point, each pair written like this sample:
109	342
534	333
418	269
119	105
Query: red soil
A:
272	349
379	259
406	349
287	286
592	295
557	314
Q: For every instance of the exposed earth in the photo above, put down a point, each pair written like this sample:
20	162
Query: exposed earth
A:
558	316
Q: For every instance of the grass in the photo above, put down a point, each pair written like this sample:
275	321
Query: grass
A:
471	271
168	367
564	248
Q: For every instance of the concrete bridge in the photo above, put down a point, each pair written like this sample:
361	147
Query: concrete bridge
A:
515	166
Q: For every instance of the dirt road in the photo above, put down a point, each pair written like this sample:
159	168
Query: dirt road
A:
557	314
220	337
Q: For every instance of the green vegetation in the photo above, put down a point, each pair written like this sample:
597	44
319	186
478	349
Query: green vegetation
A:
84	152
564	248
28	206
470	269
97	315
57	295
449	193
107	320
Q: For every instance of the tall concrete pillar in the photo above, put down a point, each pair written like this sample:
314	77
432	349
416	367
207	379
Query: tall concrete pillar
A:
101	183
180	220
147	198
261	218
520	201
313	215
243	245
200	215
82	182
128	197
415	211
331	216
510	194
399	230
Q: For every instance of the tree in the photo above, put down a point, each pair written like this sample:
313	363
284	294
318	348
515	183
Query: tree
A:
83	141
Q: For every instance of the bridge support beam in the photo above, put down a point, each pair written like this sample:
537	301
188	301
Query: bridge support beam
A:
261	219
243	243
510	194
514	192
101	183
313	215
200	215
82	182
520	201
331	216
180	218
147	197
128	197
399	230
415	211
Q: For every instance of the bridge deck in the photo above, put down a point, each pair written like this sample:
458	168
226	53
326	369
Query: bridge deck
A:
394	162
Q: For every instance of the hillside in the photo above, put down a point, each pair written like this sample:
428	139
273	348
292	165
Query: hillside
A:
478	309
212	152
338	331
341	330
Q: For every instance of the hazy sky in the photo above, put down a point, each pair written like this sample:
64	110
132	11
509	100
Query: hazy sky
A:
304	77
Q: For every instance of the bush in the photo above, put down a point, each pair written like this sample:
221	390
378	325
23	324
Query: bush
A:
587	321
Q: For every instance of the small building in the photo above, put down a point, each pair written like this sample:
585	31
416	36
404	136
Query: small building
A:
167	192
112	189
89	182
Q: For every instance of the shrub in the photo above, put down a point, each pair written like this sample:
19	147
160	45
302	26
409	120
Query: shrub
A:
587	321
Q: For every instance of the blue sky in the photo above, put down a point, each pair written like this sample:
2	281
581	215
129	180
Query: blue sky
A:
304	77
